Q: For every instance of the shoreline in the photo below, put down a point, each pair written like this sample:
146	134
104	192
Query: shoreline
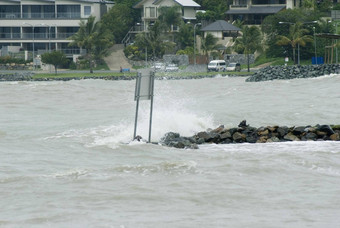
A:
29	76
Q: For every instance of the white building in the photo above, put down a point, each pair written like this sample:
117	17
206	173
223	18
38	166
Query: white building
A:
45	25
149	9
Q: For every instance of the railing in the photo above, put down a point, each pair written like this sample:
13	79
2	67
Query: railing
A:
37	36
253	22
40	15
68	51
9	15
239	6
68	15
10	35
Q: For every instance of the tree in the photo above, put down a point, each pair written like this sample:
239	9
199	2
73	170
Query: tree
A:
94	38
185	36
118	20
216	8
55	58
208	43
296	36
272	28
249	42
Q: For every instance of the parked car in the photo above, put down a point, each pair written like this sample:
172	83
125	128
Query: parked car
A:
171	68
217	65
234	67
158	66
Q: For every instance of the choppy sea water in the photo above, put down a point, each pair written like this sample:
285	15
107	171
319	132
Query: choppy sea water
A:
67	160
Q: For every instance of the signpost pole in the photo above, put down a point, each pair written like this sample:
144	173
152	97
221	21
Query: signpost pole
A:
137	91
152	76
144	91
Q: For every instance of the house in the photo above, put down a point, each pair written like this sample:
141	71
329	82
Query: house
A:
149	15
149	10
252	12
221	30
43	25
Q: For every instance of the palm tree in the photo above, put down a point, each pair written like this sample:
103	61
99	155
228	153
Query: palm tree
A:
295	37
170	16
93	38
249	42
208	43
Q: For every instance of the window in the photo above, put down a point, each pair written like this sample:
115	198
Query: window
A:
150	12
87	11
68	11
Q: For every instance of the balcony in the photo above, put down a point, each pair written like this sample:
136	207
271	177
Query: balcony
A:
37	36
10	16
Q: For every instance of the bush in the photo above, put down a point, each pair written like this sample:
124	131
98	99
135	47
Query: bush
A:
9	59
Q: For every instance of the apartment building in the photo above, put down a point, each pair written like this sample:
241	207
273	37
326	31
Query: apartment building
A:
42	25
254	11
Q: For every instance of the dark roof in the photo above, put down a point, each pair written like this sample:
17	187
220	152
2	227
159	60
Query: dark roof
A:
328	35
257	10
220	25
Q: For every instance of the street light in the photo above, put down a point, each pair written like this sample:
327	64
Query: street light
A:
290	23
25	23
195	42
336	46
316	57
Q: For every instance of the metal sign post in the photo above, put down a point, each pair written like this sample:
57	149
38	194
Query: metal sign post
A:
144	91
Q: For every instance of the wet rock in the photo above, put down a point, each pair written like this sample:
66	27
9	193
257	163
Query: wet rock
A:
251	138
298	130
239	137
326	128
218	130
225	135
243	124
311	136
291	137
262	139
335	137
273	139
282	131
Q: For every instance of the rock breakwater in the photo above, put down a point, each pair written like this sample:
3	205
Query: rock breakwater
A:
291	72
24	76
247	134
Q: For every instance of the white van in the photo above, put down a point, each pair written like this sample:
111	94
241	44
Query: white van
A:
217	65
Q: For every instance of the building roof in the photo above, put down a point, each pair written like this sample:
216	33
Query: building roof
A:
328	35
185	3
91	1
257	10
220	25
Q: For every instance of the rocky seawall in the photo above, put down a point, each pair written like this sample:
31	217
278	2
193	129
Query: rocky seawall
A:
28	76
247	134
24	76
291	72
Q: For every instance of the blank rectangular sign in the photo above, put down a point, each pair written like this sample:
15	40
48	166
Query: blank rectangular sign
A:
144	84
